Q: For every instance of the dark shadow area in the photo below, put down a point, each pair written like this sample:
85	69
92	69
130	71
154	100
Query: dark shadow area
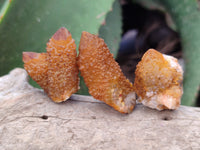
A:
198	99
167	118
44	117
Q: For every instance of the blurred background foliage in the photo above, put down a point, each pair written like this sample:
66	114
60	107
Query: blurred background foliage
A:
26	25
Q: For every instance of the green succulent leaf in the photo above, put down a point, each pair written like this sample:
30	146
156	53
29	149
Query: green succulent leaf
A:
187	17
4	5
111	29
28	24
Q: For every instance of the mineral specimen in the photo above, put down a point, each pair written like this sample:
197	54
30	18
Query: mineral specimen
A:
55	71
158	81
103	75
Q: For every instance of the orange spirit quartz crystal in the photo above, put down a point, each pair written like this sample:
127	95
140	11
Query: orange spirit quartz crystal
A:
158	81
103	75
55	71
158	77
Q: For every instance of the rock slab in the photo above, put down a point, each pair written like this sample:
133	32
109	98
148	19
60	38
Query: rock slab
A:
30	120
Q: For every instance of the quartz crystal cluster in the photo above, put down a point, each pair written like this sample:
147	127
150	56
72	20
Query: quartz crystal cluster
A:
158	81
55	71
103	75
158	77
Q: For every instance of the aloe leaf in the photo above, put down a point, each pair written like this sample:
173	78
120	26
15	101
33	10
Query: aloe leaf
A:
186	15
110	31
28	24
111	28
4	5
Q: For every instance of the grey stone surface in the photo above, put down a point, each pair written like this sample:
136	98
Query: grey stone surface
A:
30	120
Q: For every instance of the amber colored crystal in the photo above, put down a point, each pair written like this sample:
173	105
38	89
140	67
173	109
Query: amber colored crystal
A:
55	71
103	75
158	81
36	66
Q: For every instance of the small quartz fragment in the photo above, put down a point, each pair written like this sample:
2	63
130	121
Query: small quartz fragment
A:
36	66
158	81
55	71
103	75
